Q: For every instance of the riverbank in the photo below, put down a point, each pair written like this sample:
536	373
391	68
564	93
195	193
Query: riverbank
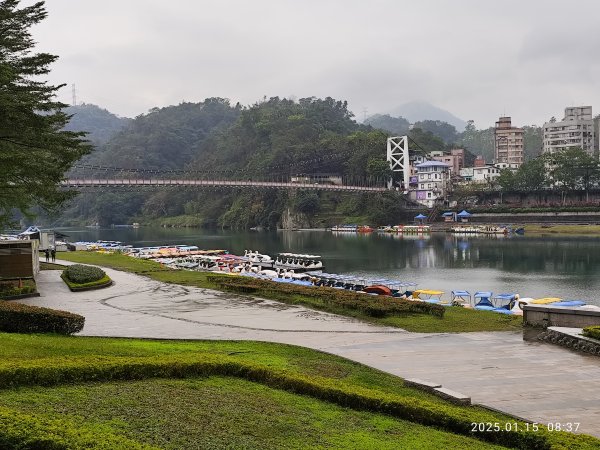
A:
563	229
455	319
493	368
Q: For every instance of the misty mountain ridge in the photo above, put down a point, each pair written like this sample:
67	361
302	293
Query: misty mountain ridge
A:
100	124
418	111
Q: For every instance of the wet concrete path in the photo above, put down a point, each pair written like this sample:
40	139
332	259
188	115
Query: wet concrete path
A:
537	381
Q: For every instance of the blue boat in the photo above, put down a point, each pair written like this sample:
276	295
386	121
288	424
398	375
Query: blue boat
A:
504	303
483	301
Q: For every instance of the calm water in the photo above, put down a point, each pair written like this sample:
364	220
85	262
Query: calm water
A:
566	267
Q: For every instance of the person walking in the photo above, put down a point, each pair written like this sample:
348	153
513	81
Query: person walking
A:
47	253
53	253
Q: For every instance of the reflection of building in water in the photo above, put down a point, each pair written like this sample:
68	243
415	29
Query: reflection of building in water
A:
408	237
425	257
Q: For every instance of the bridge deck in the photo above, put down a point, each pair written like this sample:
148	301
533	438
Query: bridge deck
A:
82	182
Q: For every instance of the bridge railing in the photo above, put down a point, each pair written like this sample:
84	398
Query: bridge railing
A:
91	182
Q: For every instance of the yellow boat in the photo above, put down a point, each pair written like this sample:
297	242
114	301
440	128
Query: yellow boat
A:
545	301
427	295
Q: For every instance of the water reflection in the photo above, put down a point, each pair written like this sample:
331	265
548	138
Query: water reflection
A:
566	267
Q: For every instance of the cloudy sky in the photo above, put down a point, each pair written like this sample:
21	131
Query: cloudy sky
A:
476	58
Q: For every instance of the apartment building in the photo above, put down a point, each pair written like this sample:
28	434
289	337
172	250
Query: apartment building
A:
508	142
433	179
577	129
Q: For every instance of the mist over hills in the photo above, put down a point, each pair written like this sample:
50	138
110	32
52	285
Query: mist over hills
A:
418	111
100	124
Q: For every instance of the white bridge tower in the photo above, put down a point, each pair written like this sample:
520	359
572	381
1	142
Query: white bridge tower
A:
397	156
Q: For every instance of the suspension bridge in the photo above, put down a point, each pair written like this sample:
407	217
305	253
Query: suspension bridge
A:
397	156
201	183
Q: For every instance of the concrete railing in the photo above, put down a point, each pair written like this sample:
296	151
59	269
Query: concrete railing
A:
558	316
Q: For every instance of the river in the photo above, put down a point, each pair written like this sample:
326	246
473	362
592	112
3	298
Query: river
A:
533	266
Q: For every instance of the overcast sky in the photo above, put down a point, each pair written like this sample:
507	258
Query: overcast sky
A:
476	58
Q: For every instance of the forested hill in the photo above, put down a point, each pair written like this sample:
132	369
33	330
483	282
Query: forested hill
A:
100	124
275	137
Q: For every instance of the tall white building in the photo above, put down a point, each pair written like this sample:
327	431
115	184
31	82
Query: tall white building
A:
575	130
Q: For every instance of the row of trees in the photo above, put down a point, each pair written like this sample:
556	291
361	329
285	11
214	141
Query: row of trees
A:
571	170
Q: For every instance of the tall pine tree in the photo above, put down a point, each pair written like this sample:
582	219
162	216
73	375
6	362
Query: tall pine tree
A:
34	152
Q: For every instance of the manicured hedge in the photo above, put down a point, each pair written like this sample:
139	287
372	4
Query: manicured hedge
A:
80	274
103	282
593	332
418	410
19	318
371	305
24	431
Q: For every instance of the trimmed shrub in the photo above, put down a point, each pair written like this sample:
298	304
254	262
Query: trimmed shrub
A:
371	305
592	332
19	318
103	282
80	274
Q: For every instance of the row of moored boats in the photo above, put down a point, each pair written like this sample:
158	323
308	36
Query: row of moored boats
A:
307	270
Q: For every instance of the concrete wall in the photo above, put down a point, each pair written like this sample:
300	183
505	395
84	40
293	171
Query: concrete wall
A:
565	217
548	316
541	198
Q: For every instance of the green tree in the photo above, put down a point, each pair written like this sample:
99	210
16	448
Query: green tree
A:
532	175
440	129
426	141
507	180
574	169
34	152
378	168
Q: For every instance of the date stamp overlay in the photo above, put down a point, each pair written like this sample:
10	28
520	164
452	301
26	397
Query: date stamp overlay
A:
480	427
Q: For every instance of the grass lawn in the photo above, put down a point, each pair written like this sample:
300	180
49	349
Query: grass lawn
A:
223	413
581	229
455	319
216	411
51	266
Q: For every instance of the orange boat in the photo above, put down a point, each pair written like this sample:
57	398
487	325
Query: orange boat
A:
378	289
364	229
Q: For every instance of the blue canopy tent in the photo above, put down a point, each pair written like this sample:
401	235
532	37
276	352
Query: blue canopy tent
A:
464	216
420	218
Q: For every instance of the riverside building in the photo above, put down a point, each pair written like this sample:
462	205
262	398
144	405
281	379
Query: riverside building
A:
508	142
575	130
433	183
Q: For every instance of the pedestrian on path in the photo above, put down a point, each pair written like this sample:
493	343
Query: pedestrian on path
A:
53	253
47	253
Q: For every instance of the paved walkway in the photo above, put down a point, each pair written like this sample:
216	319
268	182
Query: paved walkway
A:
537	381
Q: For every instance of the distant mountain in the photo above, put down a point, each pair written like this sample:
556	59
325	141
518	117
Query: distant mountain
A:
394	125
419	111
100	124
